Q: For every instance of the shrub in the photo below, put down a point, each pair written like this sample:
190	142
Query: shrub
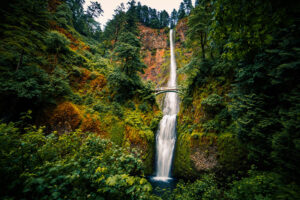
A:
90	124
75	98
202	189
212	103
65	116
144	107
101	107
69	166
262	185
98	83
33	83
117	109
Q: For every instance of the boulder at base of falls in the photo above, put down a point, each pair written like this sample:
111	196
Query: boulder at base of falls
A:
197	153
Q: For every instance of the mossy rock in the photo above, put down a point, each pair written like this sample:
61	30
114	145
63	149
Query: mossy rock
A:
231	153
117	133
182	162
199	153
148	158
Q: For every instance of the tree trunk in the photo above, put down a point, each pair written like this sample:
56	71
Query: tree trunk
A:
20	60
211	53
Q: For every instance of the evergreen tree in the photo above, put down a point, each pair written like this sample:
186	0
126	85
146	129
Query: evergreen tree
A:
131	17
115	26
164	19
124	80
199	22
154	20
127	52
94	10
181	11
174	18
145	16
84	22
188	6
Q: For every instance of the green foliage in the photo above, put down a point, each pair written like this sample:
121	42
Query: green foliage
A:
57	43
254	57
205	188
33	83
262	186
212	103
144	107
117	109
22	31
84	22
123	85
124	80
127	52
101	107
151	17
155	122
265	104
117	133
182	162
231	153
63	15
75	165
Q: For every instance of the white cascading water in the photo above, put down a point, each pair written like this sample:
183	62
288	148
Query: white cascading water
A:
166	135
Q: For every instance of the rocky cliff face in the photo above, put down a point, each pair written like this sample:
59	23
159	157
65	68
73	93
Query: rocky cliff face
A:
181	30
155	51
155	44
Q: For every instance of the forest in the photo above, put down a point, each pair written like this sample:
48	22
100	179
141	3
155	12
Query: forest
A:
79	116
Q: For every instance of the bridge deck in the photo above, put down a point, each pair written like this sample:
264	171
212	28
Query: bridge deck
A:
165	89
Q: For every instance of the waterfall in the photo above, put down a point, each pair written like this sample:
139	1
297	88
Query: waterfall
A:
166	134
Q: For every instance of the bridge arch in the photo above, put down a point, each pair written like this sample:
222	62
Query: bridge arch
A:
165	90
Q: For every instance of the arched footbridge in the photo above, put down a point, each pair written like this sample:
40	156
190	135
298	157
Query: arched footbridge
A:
162	90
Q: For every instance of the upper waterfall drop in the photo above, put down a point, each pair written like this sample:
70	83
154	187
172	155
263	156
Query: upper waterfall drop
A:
166	134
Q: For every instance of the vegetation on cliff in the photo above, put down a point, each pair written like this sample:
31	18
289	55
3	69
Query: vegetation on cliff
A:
78	116
70	114
238	112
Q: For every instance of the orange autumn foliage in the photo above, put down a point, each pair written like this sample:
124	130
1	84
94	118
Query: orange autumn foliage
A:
66	115
133	135
80	81
90	124
98	83
75	43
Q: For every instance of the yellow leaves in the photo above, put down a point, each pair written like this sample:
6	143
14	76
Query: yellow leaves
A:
101	169
124	180
143	181
102	177
136	129
229	45
147	187
112	180
130	180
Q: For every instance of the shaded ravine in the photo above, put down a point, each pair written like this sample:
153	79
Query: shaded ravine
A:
166	134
